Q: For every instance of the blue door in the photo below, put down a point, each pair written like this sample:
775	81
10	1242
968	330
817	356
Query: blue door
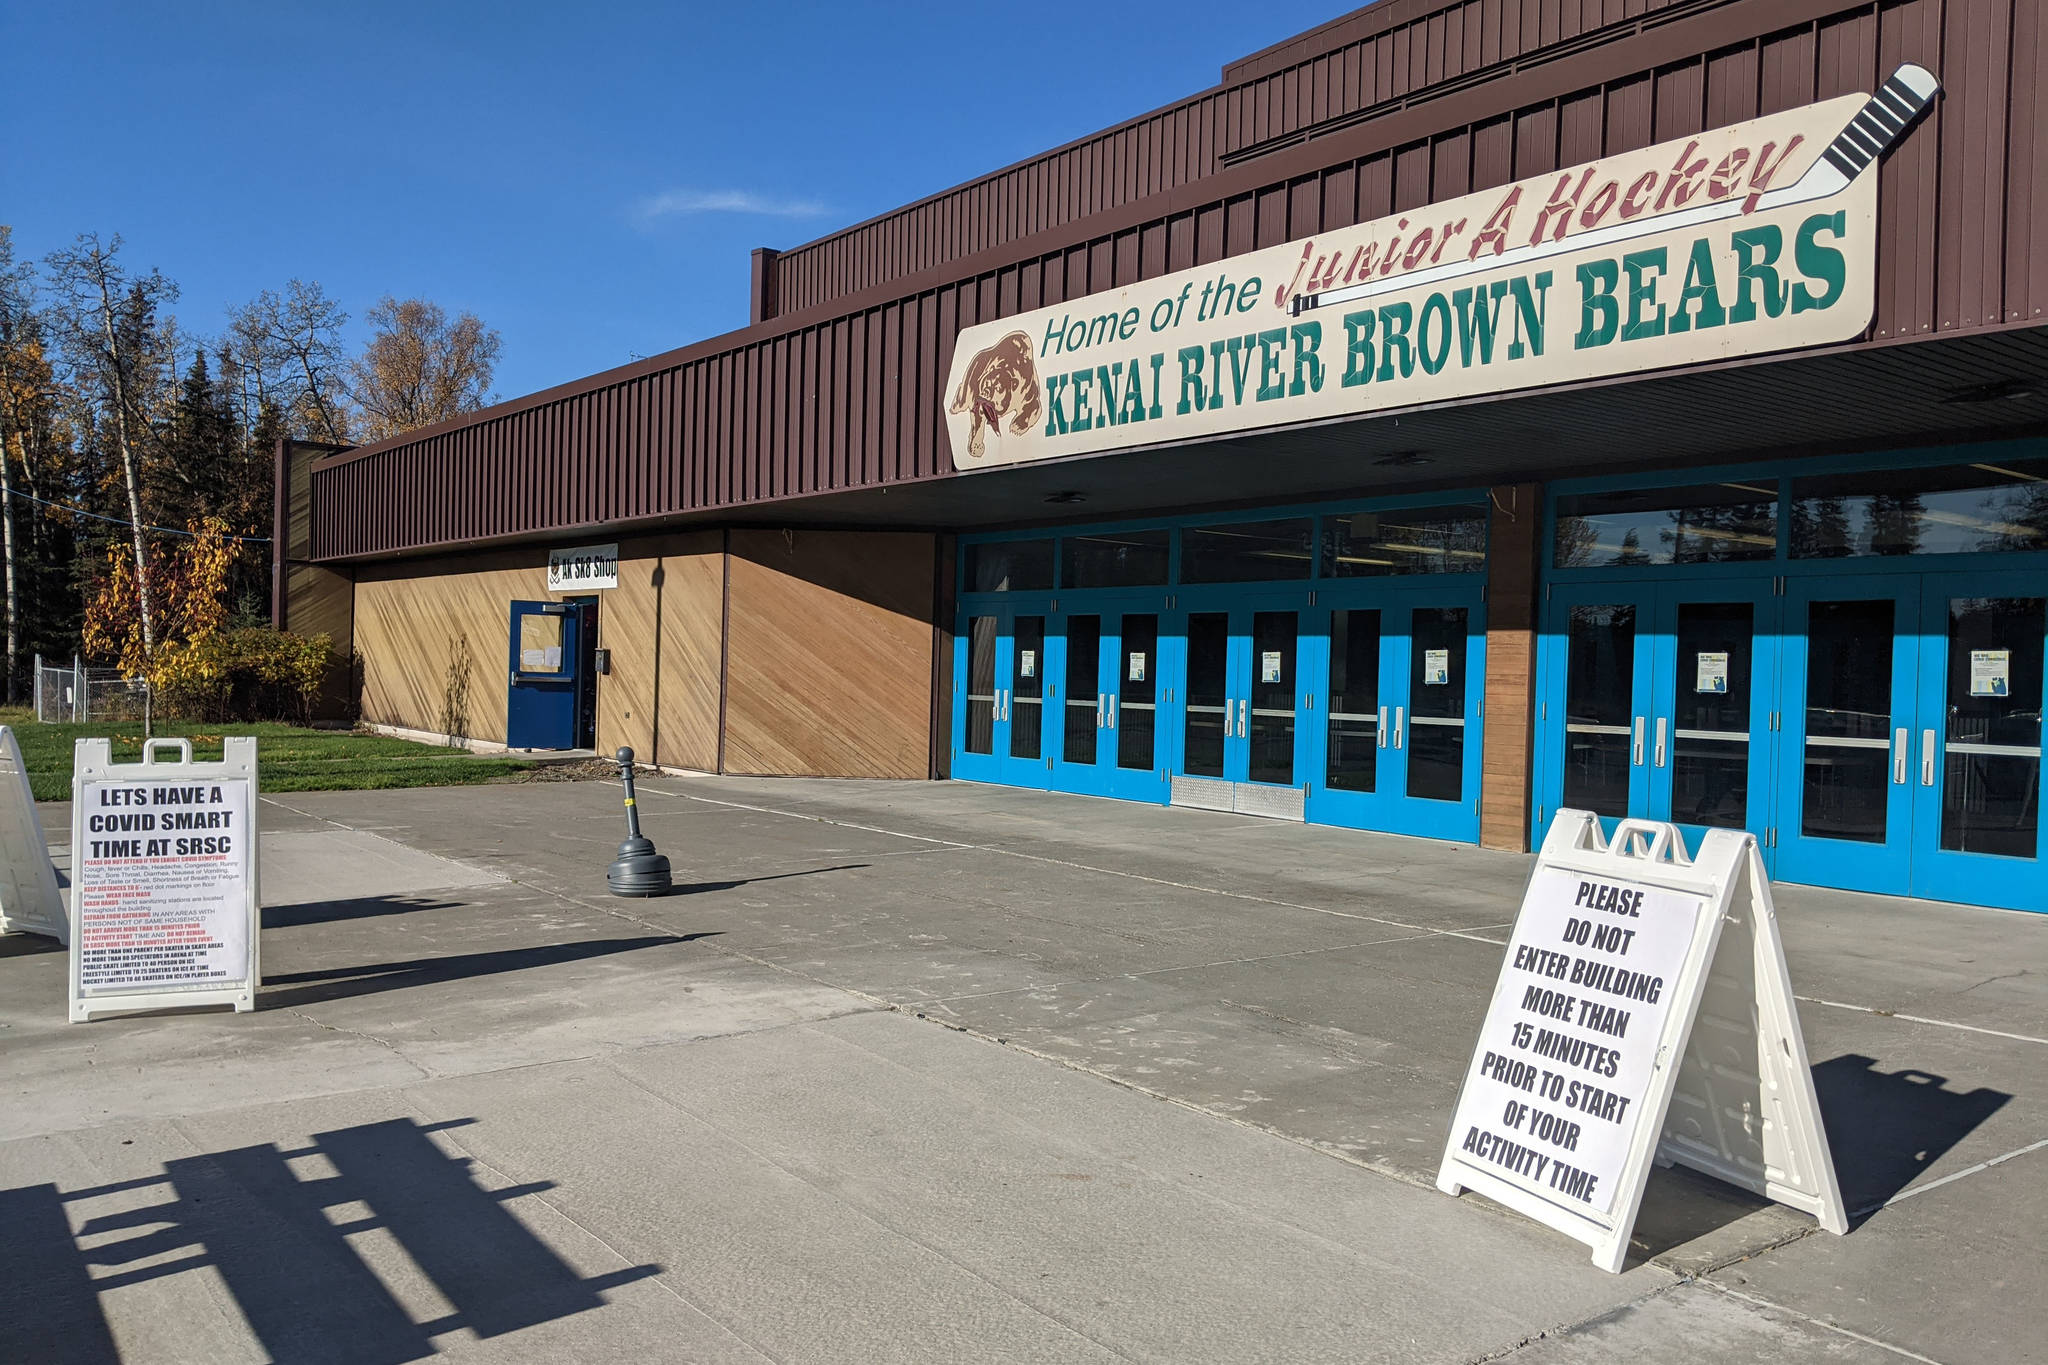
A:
1657	702
542	703
1846	775
1105	695
1243	661
1394	740
999	690
1974	767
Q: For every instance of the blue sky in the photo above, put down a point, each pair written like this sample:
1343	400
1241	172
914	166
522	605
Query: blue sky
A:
587	179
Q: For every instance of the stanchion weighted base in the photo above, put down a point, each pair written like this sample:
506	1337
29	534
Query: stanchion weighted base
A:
639	871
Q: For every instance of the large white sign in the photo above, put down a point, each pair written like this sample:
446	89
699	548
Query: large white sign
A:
1756	237
163	866
1587	1041
583	568
30	902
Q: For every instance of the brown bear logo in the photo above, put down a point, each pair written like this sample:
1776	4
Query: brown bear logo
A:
1000	382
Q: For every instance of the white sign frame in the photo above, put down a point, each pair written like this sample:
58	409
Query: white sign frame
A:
92	763
1781	1153
30	902
583	568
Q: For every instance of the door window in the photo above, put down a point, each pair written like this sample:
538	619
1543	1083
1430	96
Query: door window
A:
1084	694
1353	760
1991	780
1436	704
1248	551
540	644
1027	686
1208	692
1845	782
1599	697
1137	684
1711	715
1272	718
981	683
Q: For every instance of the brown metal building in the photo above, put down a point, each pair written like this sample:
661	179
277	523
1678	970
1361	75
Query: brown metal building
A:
816	575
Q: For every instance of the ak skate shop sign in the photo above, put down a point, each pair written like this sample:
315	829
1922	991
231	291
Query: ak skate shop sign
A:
1757	237
163	858
585	567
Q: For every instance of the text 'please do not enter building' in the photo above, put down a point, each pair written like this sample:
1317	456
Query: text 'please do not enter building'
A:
1467	409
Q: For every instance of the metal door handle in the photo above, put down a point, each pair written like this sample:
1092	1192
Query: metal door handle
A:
1660	741
1112	710
1636	751
1383	727
1902	747
1243	707
1098	710
1399	714
1927	758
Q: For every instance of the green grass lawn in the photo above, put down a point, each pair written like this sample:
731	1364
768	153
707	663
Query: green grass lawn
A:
288	758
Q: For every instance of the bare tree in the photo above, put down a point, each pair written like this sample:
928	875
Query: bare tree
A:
106	319
16	301
420	368
289	346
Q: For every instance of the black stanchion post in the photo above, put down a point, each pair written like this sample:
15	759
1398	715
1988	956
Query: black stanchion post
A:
638	870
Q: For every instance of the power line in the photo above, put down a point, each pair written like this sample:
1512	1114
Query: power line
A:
123	521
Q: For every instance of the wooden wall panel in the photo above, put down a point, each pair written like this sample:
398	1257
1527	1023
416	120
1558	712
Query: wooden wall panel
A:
662	625
433	639
432	635
829	662
1514	537
692	607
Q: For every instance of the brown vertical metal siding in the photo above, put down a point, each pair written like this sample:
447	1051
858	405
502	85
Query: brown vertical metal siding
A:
826	402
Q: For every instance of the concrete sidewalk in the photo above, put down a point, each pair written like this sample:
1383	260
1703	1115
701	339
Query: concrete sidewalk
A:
1189	1093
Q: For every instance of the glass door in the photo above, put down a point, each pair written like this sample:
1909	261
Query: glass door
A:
1715	684
999	686
1975	763
1846	772
1657	704
1599	691
1107	697
1398	735
1241	741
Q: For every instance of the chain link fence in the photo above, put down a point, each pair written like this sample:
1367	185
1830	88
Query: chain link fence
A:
73	692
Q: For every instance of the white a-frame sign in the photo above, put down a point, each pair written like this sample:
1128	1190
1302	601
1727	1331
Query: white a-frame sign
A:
29	900
1643	1014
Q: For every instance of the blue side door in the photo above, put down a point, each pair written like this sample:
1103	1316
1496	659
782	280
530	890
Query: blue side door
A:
1846	767
1974	767
545	676
1598	689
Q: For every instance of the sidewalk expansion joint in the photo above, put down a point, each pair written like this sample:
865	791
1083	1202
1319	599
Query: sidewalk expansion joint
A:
1758	1301
389	1047
1563	1329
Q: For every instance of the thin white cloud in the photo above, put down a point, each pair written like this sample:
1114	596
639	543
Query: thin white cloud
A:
684	203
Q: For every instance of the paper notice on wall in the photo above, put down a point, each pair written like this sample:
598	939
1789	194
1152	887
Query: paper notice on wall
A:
162	896
1990	672
1436	667
1137	668
1027	663
1269	666
1711	674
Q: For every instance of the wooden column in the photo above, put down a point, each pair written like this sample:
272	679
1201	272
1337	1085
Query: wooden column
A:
1515	539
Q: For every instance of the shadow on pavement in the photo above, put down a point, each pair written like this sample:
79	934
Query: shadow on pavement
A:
334	912
1886	1127
27	945
699	888
274	1237
339	983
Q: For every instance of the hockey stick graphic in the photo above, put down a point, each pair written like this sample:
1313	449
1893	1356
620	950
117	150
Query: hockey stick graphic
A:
1875	130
